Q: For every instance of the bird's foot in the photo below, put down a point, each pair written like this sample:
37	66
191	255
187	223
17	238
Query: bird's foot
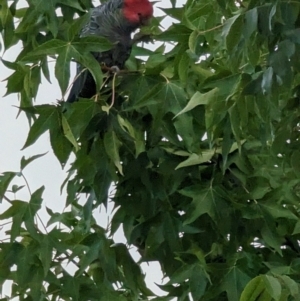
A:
112	69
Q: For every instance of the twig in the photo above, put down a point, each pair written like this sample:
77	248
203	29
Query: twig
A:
165	78
35	65
6	199
210	29
104	82
74	81
113	91
42	223
4	224
27	185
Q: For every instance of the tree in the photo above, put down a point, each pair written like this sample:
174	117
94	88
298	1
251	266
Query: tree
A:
200	143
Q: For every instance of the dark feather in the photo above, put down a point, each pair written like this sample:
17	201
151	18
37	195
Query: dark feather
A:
108	21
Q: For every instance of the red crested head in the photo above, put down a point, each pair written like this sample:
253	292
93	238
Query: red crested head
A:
137	12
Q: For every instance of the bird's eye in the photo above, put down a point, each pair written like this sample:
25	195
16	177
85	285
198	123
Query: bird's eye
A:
139	14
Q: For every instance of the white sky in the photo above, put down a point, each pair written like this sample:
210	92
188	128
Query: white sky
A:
46	170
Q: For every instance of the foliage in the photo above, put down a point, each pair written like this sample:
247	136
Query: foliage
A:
201	146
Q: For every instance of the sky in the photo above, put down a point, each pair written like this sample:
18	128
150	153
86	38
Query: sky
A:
47	170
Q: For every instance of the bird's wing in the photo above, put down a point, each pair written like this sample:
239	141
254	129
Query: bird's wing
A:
101	19
106	20
94	26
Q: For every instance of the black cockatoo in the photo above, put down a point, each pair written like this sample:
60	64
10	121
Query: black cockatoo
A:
115	20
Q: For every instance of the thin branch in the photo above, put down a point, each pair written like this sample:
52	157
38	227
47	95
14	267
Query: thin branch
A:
42	223
6	198
167	80
2	225
35	65
27	184
210	29
113	91
74	81
104	82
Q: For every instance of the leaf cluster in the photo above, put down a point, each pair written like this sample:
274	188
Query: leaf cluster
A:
201	149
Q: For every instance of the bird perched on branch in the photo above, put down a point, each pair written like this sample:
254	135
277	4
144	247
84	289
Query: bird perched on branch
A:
115	20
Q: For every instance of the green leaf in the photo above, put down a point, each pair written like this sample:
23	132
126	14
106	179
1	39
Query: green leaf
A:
271	237
62	68
212	196
16	188
45	69
295	162
131	270
235	280
170	232
199	99
36	283
205	200
16	211
91	255
112	146
4	13
36	201
182	274
25	162
155	60
91	43
183	67
33	207
226	144
273	286
5	179
267	81
78	24
193	40
253	289
251	18
47	9
60	144
297	228
102	183
195	159
78	116
26	265
47	117
277	210
232	31
271	15
16	80
92	65
137	136
292	285
71	286
79	50
51	47
68	133
46	253
71	3
198	282
7	23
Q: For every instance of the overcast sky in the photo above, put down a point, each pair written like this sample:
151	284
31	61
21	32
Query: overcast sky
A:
46	170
